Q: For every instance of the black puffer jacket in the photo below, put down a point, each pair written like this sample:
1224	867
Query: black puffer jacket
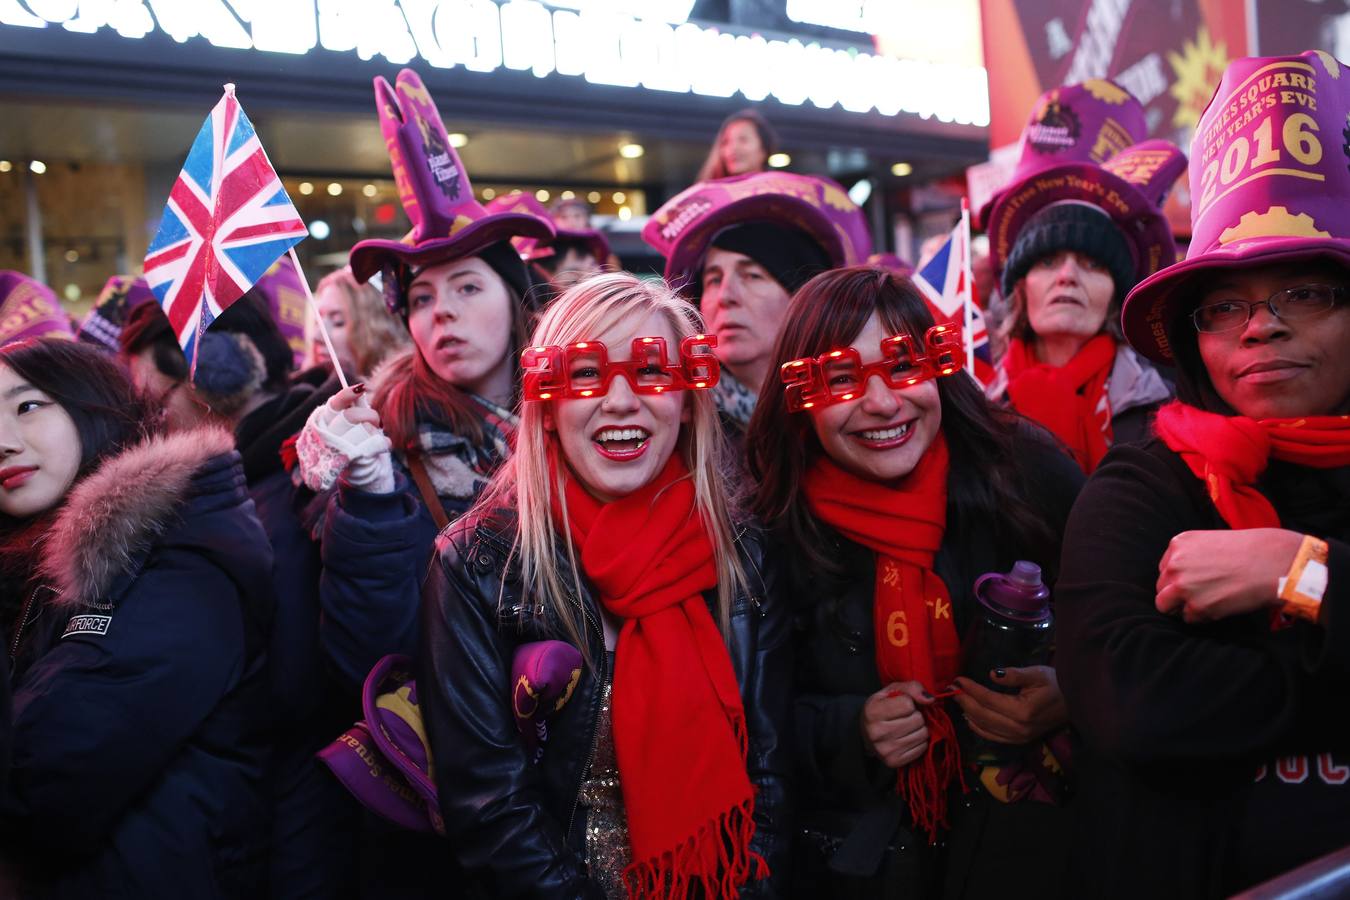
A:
855	835
140	684
516	825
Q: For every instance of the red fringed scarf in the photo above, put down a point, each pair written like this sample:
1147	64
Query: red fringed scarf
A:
912	611
1070	400
679	724
1229	453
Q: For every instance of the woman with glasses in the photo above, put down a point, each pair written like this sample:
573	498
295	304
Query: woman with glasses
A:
1206	573
892	484
610	527
1080	223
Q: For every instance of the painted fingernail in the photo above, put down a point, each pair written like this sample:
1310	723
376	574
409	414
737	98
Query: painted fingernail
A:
926	695
359	387
1000	673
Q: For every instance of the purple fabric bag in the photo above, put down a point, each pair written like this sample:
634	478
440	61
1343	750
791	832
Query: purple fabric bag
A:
385	760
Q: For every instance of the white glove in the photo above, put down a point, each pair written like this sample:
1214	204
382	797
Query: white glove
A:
332	443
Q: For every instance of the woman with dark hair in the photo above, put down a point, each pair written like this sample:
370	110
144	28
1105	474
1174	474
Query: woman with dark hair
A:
1204	573
892	484
743	145
137	593
441	418
1080	223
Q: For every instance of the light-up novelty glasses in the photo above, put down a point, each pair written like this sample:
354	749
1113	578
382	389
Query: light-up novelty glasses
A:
584	369
839	376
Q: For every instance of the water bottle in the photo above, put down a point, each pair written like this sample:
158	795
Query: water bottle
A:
1013	628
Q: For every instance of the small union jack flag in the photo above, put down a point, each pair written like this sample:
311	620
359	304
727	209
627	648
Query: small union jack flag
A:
942	281
227	220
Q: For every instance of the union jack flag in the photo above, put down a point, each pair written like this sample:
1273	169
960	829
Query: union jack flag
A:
227	220
942	281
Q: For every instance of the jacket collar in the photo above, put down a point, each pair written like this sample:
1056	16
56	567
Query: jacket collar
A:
113	516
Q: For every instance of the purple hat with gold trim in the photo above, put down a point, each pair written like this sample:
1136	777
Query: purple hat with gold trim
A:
29	309
448	223
103	325
684	227
1085	143
285	295
1270	183
531	248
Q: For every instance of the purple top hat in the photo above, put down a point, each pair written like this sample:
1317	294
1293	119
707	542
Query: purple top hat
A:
1083	142
285	295
1270	183
103	325
448	223
531	248
685	225
29	309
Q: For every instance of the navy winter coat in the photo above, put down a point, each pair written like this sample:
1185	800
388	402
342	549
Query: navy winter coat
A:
140	691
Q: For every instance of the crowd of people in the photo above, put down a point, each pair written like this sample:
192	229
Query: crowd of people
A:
687	586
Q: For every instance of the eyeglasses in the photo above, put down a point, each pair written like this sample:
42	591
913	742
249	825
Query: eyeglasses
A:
583	369
839	376
1292	303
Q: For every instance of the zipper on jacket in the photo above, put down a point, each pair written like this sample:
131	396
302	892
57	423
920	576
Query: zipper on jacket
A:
25	619
595	717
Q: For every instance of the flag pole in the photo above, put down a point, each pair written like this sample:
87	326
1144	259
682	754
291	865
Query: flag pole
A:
323	329
967	279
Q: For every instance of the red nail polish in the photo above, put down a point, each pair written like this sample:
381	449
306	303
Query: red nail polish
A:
359	388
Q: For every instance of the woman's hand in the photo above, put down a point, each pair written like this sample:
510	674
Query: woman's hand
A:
1209	575
344	435
1035	710
892	723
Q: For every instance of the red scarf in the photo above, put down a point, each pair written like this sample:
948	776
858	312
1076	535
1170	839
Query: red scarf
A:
1229	453
916	637
1070	400
679	724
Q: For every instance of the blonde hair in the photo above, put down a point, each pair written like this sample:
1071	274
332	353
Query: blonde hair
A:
374	334
528	483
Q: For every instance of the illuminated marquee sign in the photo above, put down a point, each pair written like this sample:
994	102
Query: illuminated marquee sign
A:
648	44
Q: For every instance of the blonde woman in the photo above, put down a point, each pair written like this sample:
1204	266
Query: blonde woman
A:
363	330
609	527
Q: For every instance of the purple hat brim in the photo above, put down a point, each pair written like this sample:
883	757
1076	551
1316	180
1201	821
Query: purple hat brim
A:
376	684
370	256
1151	306
1143	224
686	258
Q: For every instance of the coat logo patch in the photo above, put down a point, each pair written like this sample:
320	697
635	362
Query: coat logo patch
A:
89	624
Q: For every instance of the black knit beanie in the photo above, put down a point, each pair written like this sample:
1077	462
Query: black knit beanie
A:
787	254
1071	225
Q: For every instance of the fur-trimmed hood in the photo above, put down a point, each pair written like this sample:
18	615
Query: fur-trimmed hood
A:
114	516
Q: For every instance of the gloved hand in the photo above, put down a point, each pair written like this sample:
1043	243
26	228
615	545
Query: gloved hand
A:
344	435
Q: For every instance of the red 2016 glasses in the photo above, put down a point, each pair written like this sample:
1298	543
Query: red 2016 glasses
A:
584	369
839	376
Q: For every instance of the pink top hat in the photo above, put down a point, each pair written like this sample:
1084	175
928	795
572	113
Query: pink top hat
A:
448	223
1270	183
685	225
531	248
29	309
1085	142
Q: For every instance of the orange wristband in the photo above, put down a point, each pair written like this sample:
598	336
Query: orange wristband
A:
1302	588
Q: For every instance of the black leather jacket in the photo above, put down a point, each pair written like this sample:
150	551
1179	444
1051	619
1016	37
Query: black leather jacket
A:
518	826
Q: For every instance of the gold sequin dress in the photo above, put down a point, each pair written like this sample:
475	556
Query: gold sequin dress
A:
607	849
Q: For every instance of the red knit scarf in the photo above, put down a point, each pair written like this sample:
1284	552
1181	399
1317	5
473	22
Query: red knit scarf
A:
1070	400
916	637
1229	453
678	720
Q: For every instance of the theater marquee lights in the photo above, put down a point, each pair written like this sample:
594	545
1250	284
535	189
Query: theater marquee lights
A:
647	44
